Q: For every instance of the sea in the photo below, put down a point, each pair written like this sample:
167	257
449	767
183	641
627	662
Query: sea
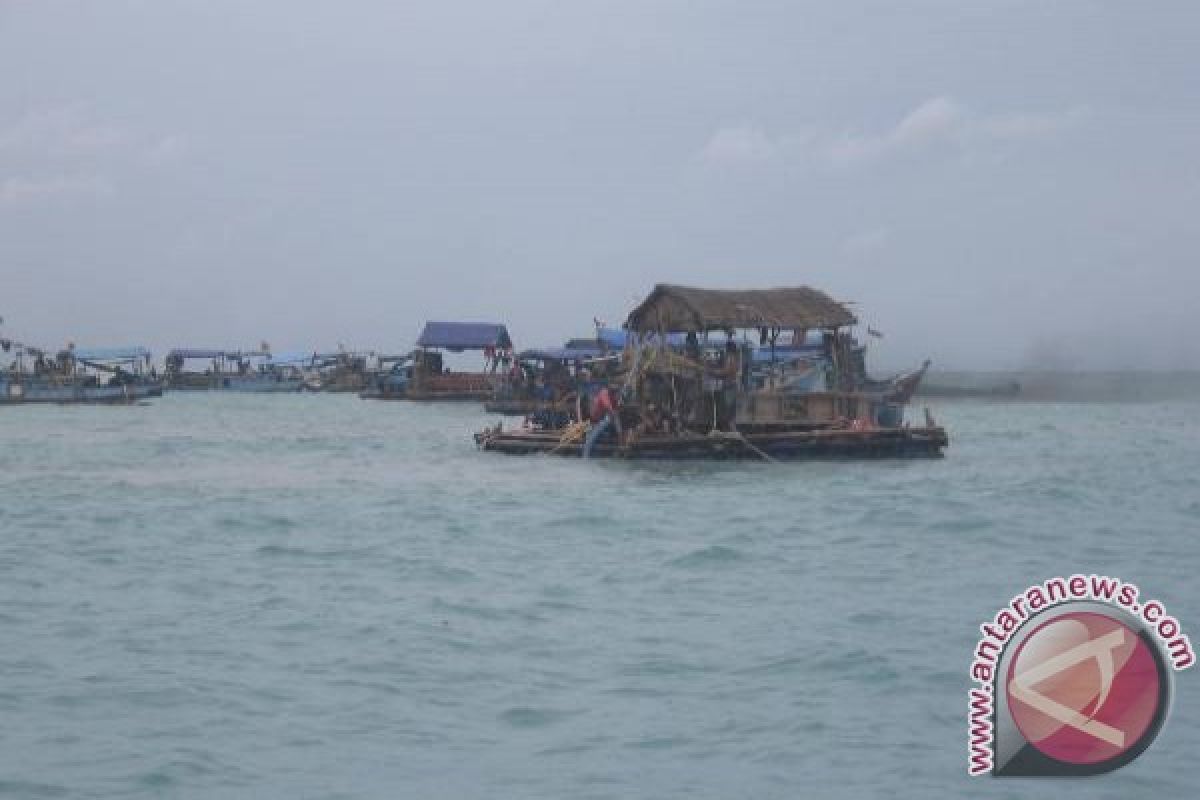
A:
216	595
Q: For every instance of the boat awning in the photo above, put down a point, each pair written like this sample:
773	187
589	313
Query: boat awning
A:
110	353
459	336
674	308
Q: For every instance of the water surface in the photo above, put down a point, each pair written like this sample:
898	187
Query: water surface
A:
316	596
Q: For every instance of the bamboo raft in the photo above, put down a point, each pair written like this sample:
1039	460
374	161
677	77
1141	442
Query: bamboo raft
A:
791	445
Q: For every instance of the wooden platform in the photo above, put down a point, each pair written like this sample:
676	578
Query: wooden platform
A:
781	445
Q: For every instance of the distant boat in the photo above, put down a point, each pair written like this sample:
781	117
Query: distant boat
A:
232	370
1005	390
110	376
390	380
427	379
343	371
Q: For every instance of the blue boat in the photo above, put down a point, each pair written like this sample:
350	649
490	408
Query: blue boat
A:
232	370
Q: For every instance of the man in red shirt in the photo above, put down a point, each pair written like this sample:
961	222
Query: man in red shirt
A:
603	416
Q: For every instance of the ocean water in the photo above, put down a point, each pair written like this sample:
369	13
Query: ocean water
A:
315	596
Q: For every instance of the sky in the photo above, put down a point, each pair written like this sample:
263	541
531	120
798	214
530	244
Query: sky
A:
994	185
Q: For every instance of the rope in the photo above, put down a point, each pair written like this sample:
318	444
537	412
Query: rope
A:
572	434
740	437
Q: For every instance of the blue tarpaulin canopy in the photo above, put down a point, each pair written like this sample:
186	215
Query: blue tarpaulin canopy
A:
459	336
615	338
110	353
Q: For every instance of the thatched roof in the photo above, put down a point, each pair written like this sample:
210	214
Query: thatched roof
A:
684	308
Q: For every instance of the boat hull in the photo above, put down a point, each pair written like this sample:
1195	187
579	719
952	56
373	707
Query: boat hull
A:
16	394
926	442
236	383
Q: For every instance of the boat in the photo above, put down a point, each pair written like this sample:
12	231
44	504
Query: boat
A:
425	377
232	370
100	376
389	381
343	371
1007	390
713	398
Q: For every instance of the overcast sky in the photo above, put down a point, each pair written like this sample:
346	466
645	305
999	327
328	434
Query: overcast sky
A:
994	184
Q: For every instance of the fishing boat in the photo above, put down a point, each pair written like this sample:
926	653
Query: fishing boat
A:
713	399
101	376
232	370
424	376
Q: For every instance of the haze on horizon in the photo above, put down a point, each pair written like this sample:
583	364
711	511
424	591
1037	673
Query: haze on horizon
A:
995	185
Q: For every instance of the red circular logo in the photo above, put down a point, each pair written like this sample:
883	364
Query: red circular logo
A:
1084	688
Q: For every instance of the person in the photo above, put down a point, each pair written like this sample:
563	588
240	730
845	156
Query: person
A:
603	405
652	421
604	415
727	397
583	394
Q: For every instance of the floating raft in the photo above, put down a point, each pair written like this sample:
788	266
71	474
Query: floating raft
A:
927	442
